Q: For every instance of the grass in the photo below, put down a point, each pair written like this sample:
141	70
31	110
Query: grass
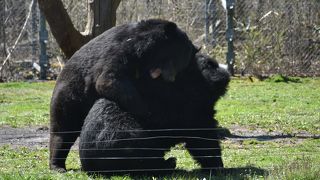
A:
258	161
285	107
25	104
271	106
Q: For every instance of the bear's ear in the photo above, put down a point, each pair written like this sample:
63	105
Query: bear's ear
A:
170	27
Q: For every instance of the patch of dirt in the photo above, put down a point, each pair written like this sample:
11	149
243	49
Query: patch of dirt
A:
237	134
262	134
31	137
38	137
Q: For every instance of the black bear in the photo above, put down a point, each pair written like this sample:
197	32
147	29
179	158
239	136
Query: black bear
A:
107	67
113	141
188	106
181	111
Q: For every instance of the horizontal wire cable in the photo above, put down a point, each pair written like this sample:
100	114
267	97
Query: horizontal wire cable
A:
152	149
227	169
144	130
144	138
153	130
164	169
164	149
156	137
168	149
168	169
155	157
137	157
137	170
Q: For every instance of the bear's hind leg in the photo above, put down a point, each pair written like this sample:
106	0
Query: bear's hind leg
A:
60	145
66	119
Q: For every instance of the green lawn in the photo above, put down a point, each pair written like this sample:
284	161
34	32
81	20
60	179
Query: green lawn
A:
25	104
289	108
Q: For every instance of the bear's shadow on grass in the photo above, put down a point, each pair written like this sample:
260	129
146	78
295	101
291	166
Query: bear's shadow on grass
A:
225	173
274	137
225	133
240	173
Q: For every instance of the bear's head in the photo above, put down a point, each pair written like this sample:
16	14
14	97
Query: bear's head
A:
163	48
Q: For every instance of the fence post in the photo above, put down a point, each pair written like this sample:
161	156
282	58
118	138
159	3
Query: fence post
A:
213	12
2	27
230	5
210	18
206	16
34	31
43	38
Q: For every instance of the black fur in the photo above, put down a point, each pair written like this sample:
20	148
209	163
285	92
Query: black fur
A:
107	67
187	103
112	142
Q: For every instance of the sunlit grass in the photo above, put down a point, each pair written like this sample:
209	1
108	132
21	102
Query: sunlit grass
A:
281	107
23	104
285	107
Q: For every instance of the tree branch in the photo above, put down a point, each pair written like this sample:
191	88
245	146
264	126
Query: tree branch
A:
101	16
67	36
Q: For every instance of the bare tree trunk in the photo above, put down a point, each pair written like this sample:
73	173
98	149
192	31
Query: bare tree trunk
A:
101	16
2	28
105	16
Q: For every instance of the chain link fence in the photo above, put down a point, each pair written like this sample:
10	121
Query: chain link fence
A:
18	38
271	37
278	37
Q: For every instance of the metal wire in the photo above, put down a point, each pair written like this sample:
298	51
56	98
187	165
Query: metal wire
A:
220	169
270	36
146	149
196	157
135	130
